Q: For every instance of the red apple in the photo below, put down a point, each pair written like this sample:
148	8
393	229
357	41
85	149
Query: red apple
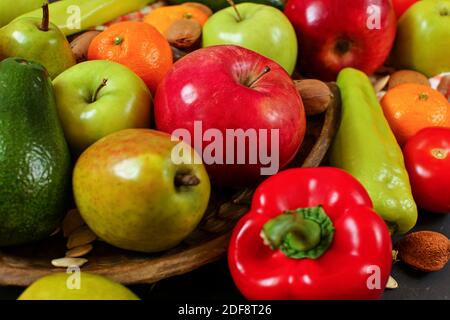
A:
400	6
334	34
228	88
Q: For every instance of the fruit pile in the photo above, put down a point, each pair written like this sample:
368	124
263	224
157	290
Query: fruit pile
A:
134	111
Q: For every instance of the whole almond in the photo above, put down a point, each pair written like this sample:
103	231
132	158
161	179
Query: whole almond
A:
79	251
407	76
81	237
184	33
444	87
316	95
206	10
80	45
71	222
426	251
381	83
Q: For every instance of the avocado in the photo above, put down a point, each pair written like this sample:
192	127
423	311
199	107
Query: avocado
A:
35	166
216	5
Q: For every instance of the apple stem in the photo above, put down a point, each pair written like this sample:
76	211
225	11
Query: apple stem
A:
265	71
45	17
186	180
100	87
231	3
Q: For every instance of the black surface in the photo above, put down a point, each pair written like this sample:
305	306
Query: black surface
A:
213	282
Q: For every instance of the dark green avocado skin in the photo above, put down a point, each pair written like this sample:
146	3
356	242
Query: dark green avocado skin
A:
35	164
216	5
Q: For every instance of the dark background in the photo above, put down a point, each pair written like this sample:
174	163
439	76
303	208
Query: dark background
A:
213	282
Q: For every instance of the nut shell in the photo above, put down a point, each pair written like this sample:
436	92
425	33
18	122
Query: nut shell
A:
316	95
426	251
407	76
80	45
184	33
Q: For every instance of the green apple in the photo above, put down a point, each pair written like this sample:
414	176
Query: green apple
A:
257	27
9	10
76	286
139	190
423	38
37	40
96	98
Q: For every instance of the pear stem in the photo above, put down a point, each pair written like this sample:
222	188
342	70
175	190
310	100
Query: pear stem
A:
186	180
231	3
100	87
264	72
45	17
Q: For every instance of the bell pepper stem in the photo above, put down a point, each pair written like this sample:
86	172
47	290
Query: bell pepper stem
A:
303	233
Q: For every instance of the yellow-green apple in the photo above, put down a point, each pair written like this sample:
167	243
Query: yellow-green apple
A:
335	34
135	192
234	103
96	98
38	40
257	27
220	4
423	38
76	286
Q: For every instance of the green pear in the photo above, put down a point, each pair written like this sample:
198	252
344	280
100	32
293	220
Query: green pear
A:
37	40
76	286
9	11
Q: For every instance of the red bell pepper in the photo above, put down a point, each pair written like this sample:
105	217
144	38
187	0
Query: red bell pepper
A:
427	159
311	233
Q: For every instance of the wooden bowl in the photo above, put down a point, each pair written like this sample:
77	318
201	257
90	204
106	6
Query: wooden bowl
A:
23	265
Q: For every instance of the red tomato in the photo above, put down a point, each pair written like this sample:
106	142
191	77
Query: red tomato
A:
427	158
400	6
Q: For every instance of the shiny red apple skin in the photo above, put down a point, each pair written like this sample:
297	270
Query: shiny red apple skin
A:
322	24
208	85
400	6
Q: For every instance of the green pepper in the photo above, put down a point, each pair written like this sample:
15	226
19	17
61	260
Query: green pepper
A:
366	148
91	13
216	5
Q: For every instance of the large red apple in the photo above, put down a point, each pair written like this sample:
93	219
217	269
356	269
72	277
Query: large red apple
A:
224	89
334	34
400	6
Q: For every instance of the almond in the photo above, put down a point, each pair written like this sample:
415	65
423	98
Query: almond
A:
381	83
79	251
71	222
80	45
81	237
444	87
426	251
68	262
316	95
184	33
392	283
57	230
407	76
